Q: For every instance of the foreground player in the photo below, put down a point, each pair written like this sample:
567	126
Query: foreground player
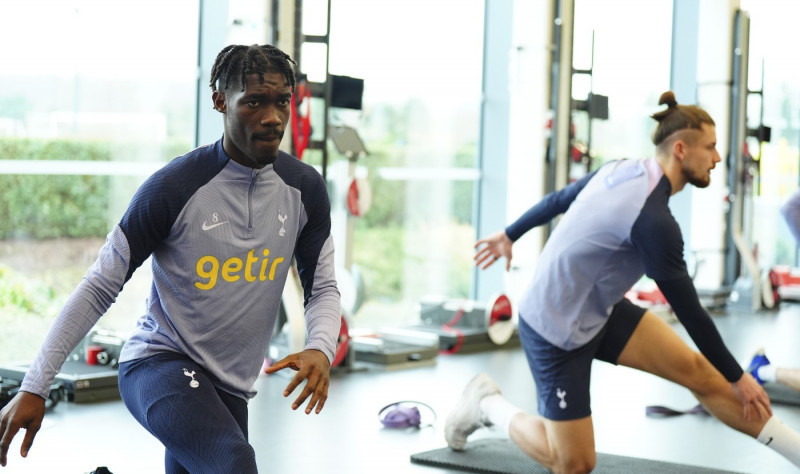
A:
222	224
616	227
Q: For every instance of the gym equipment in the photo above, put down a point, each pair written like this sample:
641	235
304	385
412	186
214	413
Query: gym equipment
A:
346	92
342	344
405	414
660	411
647	295
787	282
301	122
751	284
99	347
395	348
596	108
469	326
88	375
499	320
81	382
502	456
781	394
351	194
9	388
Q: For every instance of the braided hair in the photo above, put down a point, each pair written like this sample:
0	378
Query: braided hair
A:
236	62
677	117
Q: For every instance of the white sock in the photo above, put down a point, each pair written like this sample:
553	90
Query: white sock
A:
767	372
782	439
499	411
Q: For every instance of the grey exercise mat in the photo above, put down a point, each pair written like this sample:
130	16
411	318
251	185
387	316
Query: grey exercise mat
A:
782	394
501	456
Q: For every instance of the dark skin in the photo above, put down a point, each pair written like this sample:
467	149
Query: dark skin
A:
313	366
255	119
24	411
254	123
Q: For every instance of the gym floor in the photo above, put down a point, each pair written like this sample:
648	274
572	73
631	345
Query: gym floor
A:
348	438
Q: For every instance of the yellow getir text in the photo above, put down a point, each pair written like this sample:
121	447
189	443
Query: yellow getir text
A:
252	268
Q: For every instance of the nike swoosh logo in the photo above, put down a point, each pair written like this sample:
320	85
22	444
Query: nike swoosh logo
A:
209	227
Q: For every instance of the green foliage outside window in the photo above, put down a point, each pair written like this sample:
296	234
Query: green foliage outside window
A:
48	206
380	234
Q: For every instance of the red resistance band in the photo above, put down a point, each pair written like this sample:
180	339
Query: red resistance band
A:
301	136
449	327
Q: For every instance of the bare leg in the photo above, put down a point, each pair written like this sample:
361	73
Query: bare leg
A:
788	377
655	348
561	446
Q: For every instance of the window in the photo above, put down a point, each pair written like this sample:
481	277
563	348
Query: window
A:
421	63
631	66
774	174
97	94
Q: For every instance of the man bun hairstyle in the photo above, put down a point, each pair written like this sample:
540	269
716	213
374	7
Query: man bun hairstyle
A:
677	117
236	62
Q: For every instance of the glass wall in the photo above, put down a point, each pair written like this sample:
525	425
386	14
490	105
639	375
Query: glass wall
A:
774	167
627	61
96	95
421	61
630	65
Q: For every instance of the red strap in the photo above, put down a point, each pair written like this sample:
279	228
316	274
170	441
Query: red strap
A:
301	136
449	327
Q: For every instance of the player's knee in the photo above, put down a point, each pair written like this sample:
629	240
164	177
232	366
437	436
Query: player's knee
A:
242	459
575	464
702	377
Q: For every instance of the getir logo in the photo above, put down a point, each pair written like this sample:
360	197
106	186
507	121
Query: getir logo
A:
251	269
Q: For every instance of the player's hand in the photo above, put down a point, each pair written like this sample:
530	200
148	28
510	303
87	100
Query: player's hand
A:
491	248
753	397
24	411
313	366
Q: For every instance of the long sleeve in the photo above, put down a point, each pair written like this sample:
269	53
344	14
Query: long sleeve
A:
683	299
314	254
658	239
84	307
544	211
323	307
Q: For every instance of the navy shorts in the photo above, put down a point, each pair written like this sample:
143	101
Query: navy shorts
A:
203	428
562	377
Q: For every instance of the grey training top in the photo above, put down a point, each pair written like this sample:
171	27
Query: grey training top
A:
222	237
616	227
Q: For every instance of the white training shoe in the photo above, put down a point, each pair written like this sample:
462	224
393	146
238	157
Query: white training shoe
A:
467	416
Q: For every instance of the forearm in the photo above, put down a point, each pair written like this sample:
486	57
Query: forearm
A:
323	307
84	307
545	210
683	299
323	320
80	313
